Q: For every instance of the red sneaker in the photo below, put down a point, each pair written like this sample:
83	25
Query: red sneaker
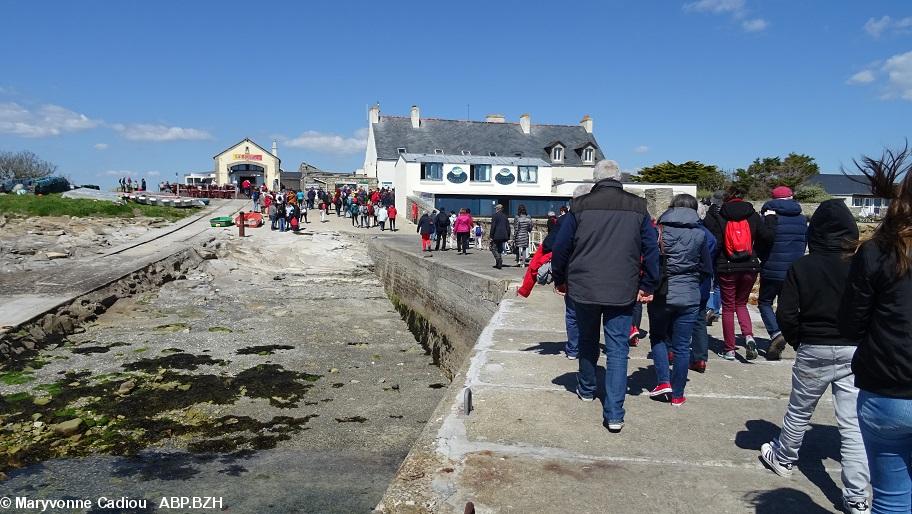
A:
634	333
677	402
660	390
633	341
698	366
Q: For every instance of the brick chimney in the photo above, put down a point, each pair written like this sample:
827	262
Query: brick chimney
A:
586	123
495	118
416	117
525	122
374	116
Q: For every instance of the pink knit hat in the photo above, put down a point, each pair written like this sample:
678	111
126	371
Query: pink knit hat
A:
782	192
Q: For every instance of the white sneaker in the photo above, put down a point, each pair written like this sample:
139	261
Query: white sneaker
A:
584	398
856	507
729	355
769	458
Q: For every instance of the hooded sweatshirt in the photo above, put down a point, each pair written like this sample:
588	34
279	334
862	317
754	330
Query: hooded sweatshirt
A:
808	305
686	248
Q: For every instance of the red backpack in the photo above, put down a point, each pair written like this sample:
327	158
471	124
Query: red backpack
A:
739	245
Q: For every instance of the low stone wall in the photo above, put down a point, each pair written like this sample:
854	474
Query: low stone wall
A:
446	308
53	326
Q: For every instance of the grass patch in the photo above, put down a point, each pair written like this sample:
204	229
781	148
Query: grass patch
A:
52	389
55	205
16	377
18	397
220	329
172	327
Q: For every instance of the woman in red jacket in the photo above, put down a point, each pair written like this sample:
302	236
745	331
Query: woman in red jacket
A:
391	212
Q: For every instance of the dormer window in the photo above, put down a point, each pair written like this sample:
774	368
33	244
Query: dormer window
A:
466	152
438	151
588	154
557	154
492	154
400	150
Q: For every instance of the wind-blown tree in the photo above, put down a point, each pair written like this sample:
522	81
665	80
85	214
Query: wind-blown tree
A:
764	174
24	165
707	177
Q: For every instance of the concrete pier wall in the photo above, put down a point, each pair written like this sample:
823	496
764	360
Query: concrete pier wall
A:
446	307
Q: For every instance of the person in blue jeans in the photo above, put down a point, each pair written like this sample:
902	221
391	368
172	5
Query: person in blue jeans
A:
685	249
606	225
571	349
876	311
783	216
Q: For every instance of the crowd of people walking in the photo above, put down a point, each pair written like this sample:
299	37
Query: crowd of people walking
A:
844	305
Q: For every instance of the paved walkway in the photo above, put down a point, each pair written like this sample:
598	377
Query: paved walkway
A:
531	445
26	296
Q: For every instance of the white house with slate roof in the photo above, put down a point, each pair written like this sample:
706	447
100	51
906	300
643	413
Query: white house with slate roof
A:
478	163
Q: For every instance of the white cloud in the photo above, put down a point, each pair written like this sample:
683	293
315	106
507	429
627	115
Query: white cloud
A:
862	77
330	143
641	149
755	25
47	120
153	173
876	27
100	146
737	9
154	132
899	75
716	6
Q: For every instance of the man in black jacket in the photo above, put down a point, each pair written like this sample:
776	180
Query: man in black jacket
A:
602	246
808	316
442	224
500	234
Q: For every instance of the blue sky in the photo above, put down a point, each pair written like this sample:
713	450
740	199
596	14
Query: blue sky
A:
152	89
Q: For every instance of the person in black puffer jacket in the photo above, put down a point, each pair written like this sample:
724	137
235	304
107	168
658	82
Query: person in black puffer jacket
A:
808	316
737	275
783	217
441	226
500	234
876	312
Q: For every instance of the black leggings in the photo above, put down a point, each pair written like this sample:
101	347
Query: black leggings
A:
462	241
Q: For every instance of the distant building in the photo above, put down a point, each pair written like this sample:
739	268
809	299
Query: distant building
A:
312	176
570	149
247	160
854	190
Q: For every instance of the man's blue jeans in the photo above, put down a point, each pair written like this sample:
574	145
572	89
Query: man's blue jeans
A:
886	428
699	343
572	346
769	290
671	329
715	298
616	323
281	224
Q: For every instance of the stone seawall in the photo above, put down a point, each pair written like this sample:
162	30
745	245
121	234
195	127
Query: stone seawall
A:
56	324
446	307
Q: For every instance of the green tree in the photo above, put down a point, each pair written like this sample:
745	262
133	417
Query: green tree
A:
24	165
764	174
707	177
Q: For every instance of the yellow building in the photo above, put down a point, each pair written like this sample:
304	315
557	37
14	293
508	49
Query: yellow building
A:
248	161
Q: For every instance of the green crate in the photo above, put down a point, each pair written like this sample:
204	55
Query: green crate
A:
221	221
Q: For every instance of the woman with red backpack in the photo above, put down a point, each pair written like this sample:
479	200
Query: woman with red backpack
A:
739	231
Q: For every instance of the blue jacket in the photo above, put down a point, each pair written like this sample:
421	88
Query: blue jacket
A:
789	228
606	248
713	246
688	257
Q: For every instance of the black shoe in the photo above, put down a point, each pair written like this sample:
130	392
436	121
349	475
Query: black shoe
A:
614	427
774	352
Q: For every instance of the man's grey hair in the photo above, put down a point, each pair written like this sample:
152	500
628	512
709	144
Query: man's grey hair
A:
498	207
581	190
605	169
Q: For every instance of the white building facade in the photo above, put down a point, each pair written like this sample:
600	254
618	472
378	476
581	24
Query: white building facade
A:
250	161
571	151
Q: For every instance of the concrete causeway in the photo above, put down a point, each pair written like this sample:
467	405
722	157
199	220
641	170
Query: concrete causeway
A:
530	445
27	296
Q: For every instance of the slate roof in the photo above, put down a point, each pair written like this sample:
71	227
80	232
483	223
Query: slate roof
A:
474	159
480	138
839	184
